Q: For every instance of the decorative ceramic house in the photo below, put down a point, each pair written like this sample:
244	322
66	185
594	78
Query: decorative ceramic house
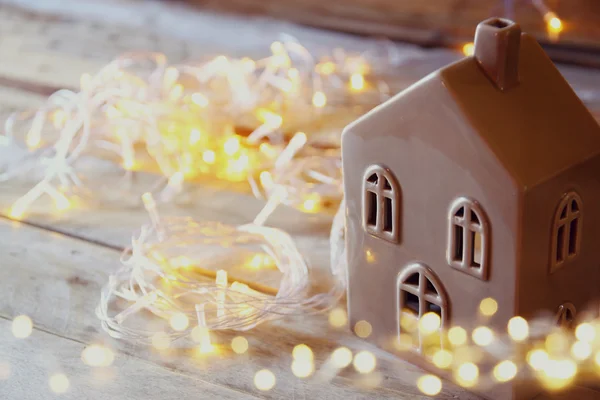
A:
481	180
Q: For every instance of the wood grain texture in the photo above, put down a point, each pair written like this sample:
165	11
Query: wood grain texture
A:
56	281
33	360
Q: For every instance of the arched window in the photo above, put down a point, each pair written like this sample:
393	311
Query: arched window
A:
565	316
566	232
468	238
420	292
381	203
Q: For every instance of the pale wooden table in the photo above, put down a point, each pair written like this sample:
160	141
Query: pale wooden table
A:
52	266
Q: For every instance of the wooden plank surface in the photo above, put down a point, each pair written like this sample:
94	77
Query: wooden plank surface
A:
56	281
52	267
54	354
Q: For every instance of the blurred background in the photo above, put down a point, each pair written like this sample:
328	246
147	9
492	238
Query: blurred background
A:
569	29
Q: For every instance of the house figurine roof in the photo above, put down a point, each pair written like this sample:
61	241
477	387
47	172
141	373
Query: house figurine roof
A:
518	103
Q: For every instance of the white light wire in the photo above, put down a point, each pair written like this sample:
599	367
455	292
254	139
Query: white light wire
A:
146	283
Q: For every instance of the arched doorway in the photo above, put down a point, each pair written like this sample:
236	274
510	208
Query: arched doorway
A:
419	291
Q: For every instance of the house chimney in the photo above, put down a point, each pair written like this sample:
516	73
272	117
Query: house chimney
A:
497	44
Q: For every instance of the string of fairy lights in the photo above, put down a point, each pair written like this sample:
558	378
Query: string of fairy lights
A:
265	121
268	121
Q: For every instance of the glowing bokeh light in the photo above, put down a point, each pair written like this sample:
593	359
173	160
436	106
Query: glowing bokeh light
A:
430	385
488	307
22	326
537	359
505	371
357	82
467	374
341	357
363	329
179	322
429	323
239	344
59	383
302	352
302	368
97	355
483	336
468	49
518	329
442	359
338	317
264	380
581	350
457	336
364	362
319	99
585	332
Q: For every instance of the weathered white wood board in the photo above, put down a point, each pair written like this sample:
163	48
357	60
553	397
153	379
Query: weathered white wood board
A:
56	281
32	361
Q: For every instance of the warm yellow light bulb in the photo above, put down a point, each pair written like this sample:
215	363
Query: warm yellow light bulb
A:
179	321
430	385
581	350
555	24
488	307
468	49
537	359
231	145
22	326
338	317
457	336
59	383
325	68
239	344
341	357
311	204
585	332
442	359
302	352
319	99
429	323
302	368
264	380
97	355
363	329
518	329
483	336
467	374
357	82
209	157
364	362
277	47
505	371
